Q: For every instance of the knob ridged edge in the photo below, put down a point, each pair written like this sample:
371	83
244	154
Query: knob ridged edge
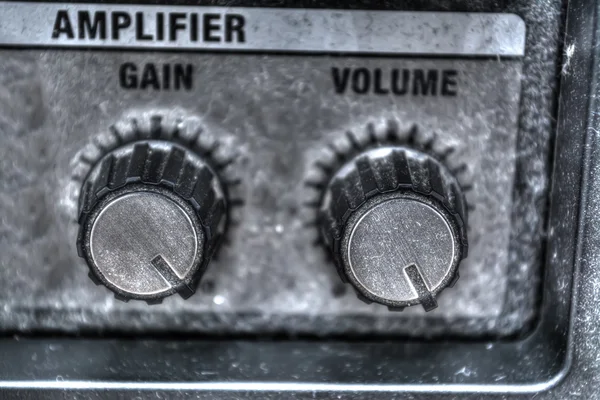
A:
166	167
387	170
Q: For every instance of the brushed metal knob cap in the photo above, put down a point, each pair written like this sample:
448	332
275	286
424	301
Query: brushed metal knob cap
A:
151	216
395	222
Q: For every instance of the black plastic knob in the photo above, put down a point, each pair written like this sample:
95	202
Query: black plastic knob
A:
151	216
395	221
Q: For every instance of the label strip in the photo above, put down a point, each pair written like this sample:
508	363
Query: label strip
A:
260	29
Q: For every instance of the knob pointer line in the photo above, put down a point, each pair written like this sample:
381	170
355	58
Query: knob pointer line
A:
166	271
416	279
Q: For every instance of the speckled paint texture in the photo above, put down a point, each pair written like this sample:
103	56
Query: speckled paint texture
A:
274	115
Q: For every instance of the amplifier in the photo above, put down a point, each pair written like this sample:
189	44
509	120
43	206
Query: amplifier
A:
295	198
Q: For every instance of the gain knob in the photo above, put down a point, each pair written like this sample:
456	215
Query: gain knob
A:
396	224
151	216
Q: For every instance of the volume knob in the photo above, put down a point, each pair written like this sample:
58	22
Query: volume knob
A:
151	215
395	222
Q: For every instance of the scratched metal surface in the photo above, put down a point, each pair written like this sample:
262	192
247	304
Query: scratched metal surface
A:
48	113
274	115
455	363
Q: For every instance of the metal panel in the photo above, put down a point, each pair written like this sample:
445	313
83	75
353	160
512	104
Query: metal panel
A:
238	28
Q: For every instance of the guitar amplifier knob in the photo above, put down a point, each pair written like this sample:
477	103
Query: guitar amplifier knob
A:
151	216
396	223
